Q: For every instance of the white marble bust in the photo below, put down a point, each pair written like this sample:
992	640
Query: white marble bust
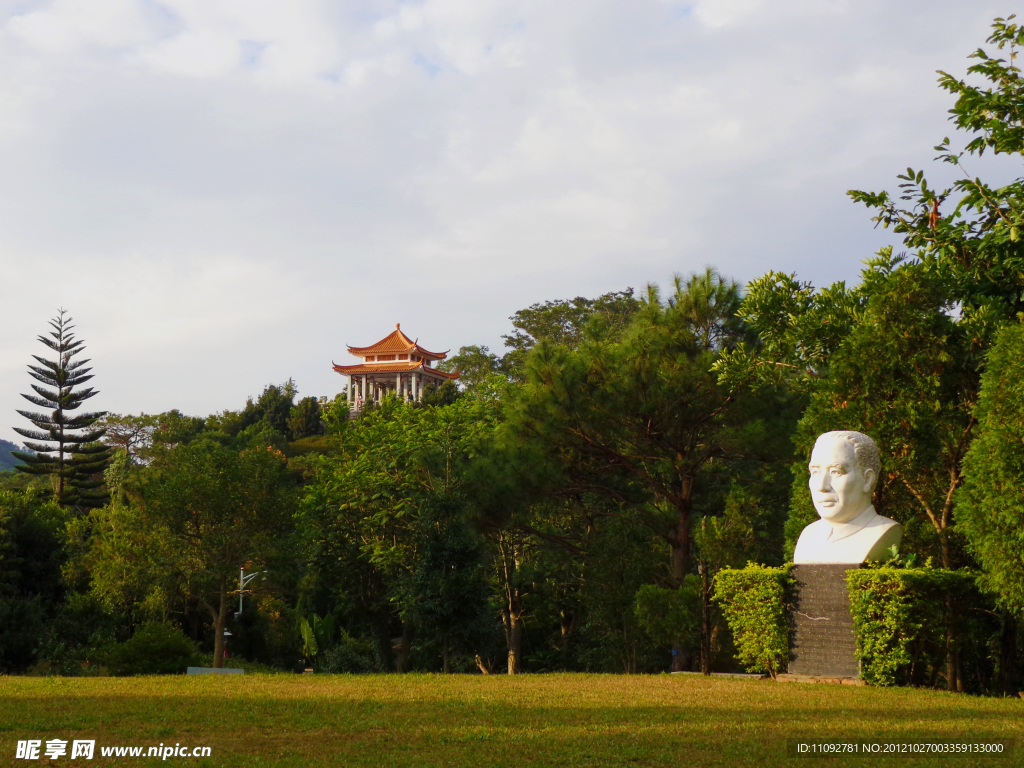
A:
844	470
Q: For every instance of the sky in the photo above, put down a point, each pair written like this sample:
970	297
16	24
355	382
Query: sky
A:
224	193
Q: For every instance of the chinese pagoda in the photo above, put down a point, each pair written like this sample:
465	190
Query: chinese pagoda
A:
394	365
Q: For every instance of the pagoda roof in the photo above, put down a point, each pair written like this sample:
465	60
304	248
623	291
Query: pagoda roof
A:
400	366
396	341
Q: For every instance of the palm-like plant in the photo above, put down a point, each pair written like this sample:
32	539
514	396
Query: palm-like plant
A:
65	447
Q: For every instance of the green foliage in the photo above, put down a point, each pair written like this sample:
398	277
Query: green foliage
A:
209	510
433	396
638	415
975	249
348	655
756	601
475	365
31	555
155	649
641	415
317	635
131	434
305	419
620	557
446	594
272	409
669	615
563	322
78	454
990	512
797	327
360	515
174	428
336	415
907	620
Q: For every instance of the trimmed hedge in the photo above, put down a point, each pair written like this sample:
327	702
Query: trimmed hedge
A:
906	621
756	602
906	618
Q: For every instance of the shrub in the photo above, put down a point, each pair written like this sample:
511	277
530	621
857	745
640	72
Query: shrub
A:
347	655
669	615
155	649
908	619
756	602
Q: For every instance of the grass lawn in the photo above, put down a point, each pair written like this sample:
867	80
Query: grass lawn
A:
470	720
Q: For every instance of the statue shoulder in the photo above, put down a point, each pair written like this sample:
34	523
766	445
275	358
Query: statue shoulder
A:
883	523
889	534
812	528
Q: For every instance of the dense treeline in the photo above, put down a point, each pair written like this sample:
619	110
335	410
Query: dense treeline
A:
569	506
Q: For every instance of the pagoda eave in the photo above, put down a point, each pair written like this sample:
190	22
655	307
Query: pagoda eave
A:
393	368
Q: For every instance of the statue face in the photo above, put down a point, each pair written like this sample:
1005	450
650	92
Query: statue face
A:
839	489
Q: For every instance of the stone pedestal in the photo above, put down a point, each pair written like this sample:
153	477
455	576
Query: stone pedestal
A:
823	644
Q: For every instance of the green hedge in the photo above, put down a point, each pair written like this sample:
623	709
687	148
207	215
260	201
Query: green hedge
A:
756	601
154	649
904	619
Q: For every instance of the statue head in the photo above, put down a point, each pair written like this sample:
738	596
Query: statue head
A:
844	470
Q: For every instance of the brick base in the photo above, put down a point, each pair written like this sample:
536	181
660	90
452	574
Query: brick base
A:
784	678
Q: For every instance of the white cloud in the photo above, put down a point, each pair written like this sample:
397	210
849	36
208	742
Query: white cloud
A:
725	13
68	26
225	192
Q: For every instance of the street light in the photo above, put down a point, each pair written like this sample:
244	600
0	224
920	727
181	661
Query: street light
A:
243	582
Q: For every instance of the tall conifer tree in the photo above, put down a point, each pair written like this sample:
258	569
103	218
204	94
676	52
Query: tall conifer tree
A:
65	446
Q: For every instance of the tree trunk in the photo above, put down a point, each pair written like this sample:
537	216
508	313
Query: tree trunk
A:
951	654
512	618
220	619
444	656
681	564
1008	653
947	556
405	648
568	626
484	667
705	619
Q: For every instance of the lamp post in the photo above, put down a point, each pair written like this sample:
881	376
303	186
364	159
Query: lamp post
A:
243	582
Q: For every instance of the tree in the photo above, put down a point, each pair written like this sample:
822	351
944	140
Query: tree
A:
131	434
475	364
31	589
976	248
211	511
360	516
446	595
274	407
643	417
305	419
991	504
174	428
563	322
79	457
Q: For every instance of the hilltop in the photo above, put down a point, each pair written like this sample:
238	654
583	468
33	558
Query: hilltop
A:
6	460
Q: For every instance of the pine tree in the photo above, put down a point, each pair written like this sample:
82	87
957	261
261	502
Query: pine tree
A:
77	456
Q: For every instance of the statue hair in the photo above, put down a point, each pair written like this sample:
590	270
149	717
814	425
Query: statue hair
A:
864	449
